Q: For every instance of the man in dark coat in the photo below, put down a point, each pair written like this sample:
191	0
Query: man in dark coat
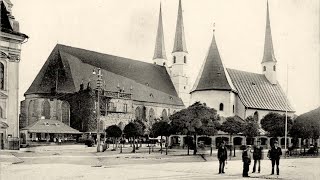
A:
257	156
274	155
222	156
246	159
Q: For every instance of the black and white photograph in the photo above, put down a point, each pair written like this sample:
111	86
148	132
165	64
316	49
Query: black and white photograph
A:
159	89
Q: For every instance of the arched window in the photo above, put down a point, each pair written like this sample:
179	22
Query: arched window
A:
1	113
232	108
274	68
174	59
264	68
138	113
65	113
221	107
164	114
164	63
185	59
45	109
30	112
1	76
151	116
256	116
125	108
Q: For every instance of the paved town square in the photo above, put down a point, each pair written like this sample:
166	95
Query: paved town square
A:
84	163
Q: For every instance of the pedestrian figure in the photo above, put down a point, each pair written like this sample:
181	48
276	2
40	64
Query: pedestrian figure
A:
274	155
246	159
222	156
257	156
59	141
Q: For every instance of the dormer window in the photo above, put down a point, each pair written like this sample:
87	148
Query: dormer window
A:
151	95
264	68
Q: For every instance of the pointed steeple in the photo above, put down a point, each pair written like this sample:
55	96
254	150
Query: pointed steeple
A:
268	54
212	75
160	51
179	40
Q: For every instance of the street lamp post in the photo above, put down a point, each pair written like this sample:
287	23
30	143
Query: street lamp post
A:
286	123
98	88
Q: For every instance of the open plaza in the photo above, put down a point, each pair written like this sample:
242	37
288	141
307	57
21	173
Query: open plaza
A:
81	162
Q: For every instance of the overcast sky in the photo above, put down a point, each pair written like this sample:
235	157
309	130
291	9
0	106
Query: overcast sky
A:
127	28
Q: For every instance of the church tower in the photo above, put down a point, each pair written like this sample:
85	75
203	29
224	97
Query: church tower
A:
179	69
269	62
11	41
159	56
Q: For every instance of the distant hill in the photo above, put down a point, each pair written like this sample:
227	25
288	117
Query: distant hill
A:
313	115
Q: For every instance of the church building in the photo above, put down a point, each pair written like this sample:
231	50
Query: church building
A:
65	88
239	93
11	40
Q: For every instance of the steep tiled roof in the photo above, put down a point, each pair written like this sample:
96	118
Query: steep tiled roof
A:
160	50
212	75
179	40
149	82
255	91
50	126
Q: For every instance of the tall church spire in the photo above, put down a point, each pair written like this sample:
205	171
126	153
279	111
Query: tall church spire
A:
268	55
179	40
269	62
160	51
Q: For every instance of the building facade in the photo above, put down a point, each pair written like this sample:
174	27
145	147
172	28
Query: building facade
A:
11	40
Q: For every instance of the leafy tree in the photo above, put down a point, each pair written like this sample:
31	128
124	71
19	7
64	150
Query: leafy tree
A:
143	126
196	119
114	132
133	130
232	125
251	127
161	128
307	125
274	124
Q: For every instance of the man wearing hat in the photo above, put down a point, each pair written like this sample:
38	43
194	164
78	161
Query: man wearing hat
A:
222	156
274	155
246	159
257	156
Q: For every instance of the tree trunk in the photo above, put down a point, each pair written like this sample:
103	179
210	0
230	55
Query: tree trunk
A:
134	145
161	144
230	143
113	143
188	144
195	144
116	143
166	145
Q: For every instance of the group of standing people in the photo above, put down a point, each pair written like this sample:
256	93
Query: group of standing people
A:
257	152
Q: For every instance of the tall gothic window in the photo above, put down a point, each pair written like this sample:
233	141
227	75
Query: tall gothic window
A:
65	113
264	68
185	59
151	116
221	107
45	109
164	114
1	113
138	113
1	76
174	59
274	68
256	116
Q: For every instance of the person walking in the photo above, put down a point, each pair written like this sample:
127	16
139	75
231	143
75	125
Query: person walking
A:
246	159
222	156
257	156
274	155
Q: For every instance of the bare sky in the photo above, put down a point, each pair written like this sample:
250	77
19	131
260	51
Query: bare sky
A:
127	28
